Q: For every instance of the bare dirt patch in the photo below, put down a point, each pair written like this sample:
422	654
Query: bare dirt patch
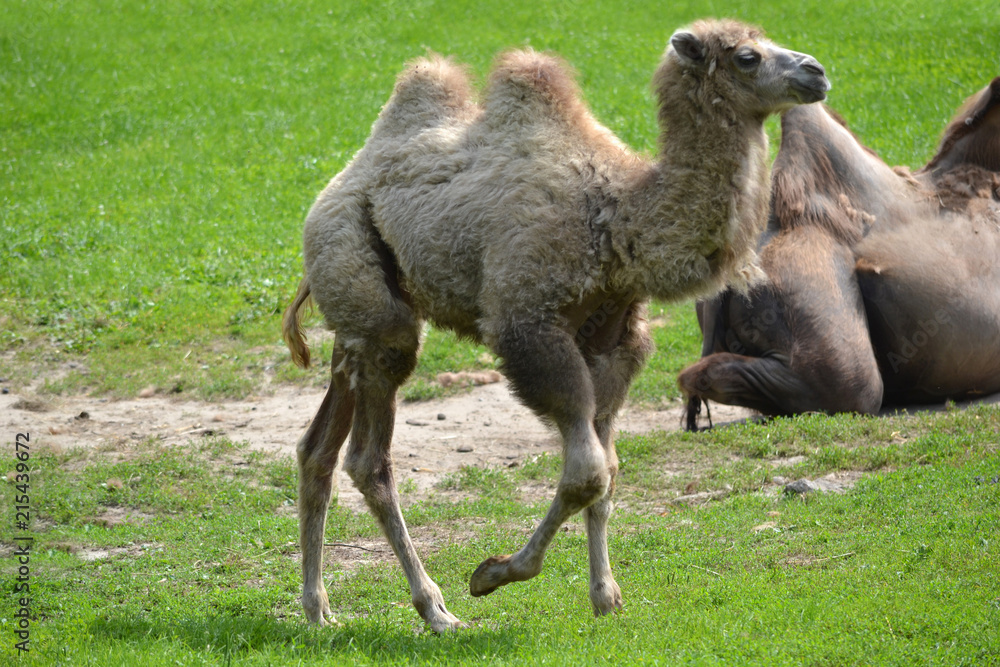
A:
484	426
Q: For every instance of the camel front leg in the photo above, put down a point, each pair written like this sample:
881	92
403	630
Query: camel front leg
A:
612	375
585	479
605	595
549	374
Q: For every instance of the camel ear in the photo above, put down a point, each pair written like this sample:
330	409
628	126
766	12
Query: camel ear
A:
688	47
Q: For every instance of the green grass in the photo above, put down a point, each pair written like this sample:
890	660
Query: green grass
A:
158	158
156	163
170	555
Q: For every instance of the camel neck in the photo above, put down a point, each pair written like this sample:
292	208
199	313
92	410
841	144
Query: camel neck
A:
698	210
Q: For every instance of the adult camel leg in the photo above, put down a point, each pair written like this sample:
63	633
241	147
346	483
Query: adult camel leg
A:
772	387
712	322
317	457
800	344
765	384
379	372
549	374
612	375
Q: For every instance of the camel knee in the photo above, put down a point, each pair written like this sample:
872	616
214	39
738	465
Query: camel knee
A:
585	491
370	473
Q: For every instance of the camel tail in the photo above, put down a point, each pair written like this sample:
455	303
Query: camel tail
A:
291	327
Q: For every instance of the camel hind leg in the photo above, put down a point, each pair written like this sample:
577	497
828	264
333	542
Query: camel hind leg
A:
378	371
317	457
354	279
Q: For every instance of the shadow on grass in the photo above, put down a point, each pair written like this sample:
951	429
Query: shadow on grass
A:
231	638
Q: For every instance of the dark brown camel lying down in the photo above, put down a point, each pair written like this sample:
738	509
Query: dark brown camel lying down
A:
883	286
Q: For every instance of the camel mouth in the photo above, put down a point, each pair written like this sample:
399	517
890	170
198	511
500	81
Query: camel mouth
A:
809	89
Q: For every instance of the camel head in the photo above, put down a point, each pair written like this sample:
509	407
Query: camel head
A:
973	135
733	65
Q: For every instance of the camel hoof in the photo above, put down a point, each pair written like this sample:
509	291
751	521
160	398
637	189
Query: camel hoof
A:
438	617
329	621
324	618
446	623
489	576
317	609
606	598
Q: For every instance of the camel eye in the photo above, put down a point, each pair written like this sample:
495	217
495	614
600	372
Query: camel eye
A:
747	60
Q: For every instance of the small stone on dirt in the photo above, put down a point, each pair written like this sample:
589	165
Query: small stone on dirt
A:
441	417
801	487
83	415
465	448
148	392
415	422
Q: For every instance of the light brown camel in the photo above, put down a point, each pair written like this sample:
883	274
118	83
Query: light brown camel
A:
523	223
883	287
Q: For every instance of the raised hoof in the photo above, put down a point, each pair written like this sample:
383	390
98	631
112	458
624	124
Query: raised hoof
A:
489	576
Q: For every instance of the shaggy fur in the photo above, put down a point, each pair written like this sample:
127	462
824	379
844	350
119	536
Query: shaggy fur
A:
883	285
521	222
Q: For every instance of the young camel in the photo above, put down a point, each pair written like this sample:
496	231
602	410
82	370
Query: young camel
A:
523	223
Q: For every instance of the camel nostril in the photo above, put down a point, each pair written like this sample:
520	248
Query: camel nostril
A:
814	68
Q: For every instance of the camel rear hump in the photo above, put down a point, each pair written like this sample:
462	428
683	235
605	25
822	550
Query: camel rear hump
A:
428	90
526	85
